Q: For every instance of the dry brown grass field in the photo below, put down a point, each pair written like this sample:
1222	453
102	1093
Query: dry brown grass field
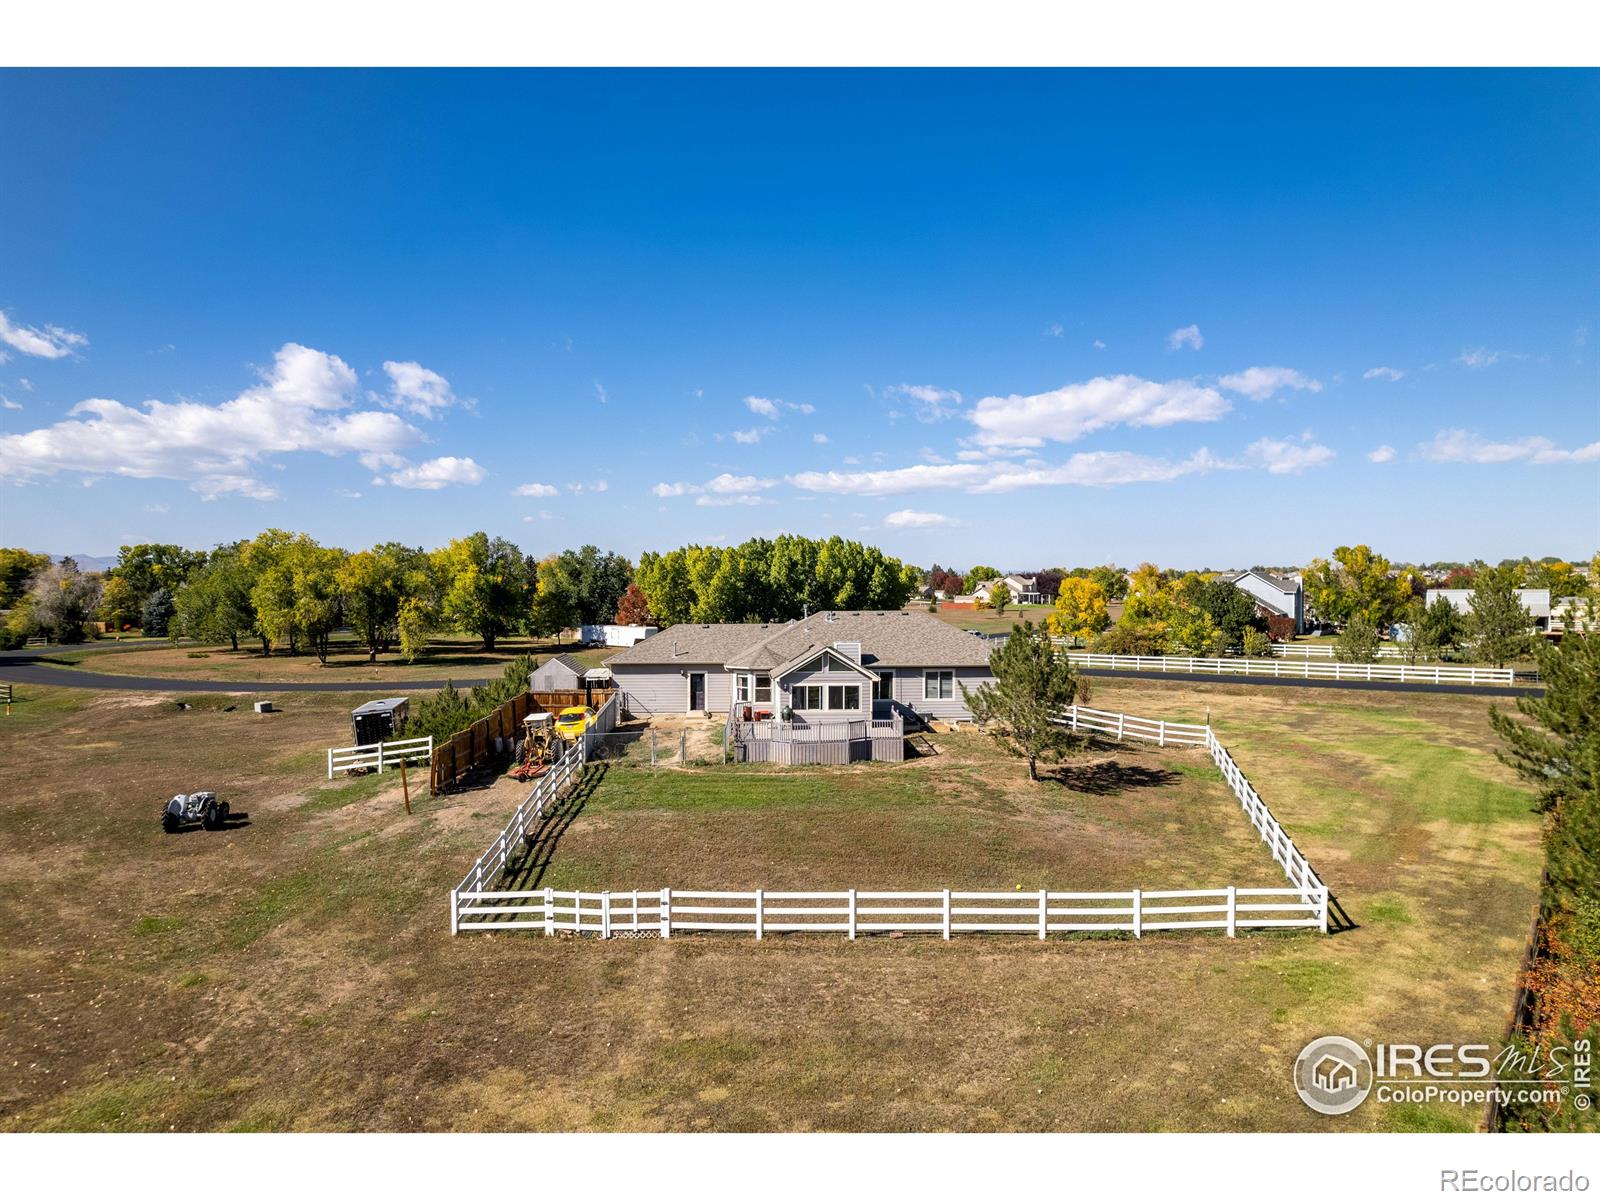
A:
447	658
296	971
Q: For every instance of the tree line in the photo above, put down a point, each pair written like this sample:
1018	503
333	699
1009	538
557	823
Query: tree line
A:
286	592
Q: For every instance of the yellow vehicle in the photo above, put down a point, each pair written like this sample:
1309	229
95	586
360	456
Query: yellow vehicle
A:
571	722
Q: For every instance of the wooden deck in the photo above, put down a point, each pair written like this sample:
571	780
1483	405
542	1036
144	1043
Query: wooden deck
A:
832	743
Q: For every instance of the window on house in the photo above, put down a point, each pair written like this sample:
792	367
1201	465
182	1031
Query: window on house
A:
844	696
807	698
763	689
883	686
742	686
938	685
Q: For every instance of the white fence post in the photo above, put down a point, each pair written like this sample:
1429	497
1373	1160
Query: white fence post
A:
549	912
947	914
760	910
1120	717
1233	910
455	914
380	758
330	762
1138	913
666	913
1044	912
1322	909
1161	734
852	921
605	915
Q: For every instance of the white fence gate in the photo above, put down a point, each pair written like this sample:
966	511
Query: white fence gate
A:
476	907
380	755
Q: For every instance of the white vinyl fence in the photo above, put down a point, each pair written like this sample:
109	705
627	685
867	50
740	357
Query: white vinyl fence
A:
475	906
1309	650
1281	668
381	755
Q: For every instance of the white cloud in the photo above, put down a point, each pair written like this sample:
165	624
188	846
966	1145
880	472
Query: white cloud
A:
1102	468
600	393
1261	383
928	403
416	389
1188	336
726	484
1389	373
727	501
25	384
215	448
774	409
820	439
1481	356
1053	330
910	518
157	508
1383	454
50	342
747	437
535	489
1099	345
9	403
1460	446
600	485
437	473
1069	412
1286	456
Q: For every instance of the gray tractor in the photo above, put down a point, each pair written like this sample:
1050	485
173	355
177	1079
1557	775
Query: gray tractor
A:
184	810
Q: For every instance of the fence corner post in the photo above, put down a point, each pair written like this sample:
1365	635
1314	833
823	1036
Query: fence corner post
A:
455	914
947	914
1322	907
330	762
1233	910
666	913
852	921
1138	913
760	915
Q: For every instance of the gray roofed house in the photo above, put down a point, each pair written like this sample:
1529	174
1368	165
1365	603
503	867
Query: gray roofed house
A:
559	673
1275	593
835	676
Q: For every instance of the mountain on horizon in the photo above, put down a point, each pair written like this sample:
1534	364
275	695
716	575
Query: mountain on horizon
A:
89	562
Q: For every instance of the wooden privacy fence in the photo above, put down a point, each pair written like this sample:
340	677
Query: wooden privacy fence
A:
852	913
475	906
477	742
1281	668
379	754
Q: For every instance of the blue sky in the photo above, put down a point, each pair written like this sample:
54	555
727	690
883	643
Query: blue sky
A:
1028	318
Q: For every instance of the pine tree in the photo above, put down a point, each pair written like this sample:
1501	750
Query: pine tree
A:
1033	682
1497	623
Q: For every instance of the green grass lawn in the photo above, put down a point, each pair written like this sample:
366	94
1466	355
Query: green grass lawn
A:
315	937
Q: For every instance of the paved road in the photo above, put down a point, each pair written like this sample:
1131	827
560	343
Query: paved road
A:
17	667
27	667
1343	685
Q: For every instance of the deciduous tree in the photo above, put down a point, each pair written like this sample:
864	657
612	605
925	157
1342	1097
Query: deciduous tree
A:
1080	609
1033	682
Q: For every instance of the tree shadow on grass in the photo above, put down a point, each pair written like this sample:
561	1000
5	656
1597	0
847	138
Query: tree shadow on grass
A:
526	870
1111	778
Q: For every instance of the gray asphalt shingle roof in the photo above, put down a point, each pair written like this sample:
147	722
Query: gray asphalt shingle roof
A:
890	638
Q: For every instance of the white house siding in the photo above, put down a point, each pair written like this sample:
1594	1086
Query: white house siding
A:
654	690
908	691
1289	604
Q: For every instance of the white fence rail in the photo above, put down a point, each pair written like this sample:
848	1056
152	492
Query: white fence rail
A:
477	907
1281	668
852	913
381	755
1123	726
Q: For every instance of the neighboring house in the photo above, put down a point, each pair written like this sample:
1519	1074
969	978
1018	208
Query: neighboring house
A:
1274	595
832	666
1024	590
1575	614
614	635
562	673
1536	601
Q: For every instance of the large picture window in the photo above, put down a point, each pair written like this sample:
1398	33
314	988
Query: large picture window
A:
844	696
938	685
807	698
